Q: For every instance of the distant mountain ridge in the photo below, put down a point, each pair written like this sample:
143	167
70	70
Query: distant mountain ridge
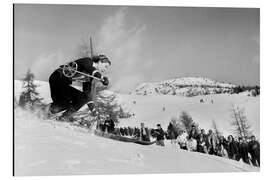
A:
184	86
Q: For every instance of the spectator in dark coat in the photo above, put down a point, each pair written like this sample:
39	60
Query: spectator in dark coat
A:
172	134
201	144
109	125
125	131
193	133
121	131
130	131
153	133
254	150
232	148
159	135
203	133
137	133
243	150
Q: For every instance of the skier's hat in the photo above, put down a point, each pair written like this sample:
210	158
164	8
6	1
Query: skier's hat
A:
102	58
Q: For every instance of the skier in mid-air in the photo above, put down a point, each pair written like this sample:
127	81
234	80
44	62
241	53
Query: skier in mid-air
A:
66	97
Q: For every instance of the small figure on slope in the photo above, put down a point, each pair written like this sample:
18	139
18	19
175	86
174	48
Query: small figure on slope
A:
66	97
109	125
159	133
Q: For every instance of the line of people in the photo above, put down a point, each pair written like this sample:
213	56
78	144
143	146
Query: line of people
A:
196	140
143	133
247	149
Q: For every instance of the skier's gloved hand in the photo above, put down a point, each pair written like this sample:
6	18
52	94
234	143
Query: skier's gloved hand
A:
105	81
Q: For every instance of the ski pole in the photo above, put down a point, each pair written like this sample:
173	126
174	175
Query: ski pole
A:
88	75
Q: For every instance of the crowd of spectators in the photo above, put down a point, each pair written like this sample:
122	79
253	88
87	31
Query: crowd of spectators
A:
196	140
245	148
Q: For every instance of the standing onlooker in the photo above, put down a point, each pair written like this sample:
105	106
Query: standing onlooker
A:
193	133
182	139
212	143
201	144
243	150
232	148
159	135
222	147
192	139
204	134
224	142
109	125
171	132
254	150
144	133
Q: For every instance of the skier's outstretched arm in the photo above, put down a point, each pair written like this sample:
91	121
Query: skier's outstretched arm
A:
87	66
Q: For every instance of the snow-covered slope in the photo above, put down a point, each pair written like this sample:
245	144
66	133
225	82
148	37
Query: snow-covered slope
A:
186	86
53	148
149	109
49	148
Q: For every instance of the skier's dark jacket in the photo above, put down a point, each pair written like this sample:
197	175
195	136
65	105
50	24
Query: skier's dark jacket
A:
85	65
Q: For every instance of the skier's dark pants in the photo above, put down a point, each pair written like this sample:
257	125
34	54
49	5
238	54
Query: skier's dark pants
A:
65	96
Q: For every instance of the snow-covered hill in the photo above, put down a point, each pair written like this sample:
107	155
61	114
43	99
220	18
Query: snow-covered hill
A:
56	148
186	86
160	109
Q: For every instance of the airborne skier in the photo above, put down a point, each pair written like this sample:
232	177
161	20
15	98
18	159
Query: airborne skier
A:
66	97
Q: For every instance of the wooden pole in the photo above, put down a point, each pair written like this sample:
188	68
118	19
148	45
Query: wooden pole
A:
94	82
91	47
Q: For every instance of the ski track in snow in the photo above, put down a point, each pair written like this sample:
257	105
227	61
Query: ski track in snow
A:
44	147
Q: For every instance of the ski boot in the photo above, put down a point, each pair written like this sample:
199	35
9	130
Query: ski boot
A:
52	111
67	115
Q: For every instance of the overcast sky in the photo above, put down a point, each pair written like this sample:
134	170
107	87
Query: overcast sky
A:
143	43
